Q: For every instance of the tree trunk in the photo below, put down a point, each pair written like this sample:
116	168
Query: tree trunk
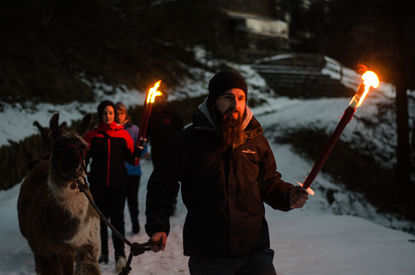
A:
413	150
403	78
403	170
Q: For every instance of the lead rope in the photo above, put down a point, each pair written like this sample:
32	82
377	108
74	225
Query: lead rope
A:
135	248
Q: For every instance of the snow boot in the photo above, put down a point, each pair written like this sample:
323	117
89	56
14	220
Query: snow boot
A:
103	259
120	263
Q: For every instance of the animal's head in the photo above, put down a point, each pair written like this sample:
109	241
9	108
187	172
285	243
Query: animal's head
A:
68	151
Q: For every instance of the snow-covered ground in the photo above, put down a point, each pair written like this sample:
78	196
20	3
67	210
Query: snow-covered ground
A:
312	240
345	237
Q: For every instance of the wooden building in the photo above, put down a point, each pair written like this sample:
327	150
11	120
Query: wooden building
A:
250	29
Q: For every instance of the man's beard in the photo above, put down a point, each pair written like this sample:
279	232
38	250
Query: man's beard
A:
231	128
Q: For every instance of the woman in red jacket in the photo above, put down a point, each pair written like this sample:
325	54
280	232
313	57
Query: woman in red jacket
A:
109	146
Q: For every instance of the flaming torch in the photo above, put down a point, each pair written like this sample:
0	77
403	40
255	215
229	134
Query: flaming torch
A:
370	79
148	103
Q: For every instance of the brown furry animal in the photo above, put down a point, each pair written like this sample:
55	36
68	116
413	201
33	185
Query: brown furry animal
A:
54	216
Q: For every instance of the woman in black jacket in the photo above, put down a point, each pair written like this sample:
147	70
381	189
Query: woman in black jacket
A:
109	146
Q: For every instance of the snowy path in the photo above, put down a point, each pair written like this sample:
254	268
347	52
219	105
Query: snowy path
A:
307	241
342	238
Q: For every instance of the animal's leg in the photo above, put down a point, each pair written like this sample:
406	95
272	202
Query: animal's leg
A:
87	261
49	265
67	263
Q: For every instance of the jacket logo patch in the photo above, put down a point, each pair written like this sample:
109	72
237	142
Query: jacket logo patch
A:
248	151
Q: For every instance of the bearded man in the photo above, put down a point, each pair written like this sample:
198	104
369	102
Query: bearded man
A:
227	171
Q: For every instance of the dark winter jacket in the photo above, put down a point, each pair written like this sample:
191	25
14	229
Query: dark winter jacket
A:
109	146
163	125
222	187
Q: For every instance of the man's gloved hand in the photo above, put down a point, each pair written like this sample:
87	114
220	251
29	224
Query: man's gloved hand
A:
158	241
298	196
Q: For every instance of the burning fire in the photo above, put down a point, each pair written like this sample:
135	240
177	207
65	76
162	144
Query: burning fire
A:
153	92
370	79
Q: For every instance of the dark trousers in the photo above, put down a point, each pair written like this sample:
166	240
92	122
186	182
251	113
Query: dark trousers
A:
111	202
133	183
258	263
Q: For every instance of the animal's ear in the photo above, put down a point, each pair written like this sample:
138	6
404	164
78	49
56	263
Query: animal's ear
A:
85	124
39	127
44	131
63	126
13	143
54	126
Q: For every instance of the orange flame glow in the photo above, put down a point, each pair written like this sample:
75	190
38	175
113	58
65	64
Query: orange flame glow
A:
370	79
153	92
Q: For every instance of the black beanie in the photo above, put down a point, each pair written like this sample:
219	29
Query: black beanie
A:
102	106
222	82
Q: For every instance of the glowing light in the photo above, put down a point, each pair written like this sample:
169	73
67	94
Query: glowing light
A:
153	92
370	79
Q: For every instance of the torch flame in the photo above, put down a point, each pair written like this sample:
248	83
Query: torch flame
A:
153	92
370	79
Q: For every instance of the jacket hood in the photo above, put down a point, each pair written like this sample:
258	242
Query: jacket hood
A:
202	120
205	111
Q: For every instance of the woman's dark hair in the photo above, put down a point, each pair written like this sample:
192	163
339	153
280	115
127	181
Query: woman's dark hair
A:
102	106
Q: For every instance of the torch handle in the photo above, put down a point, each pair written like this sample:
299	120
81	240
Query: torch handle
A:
145	111
318	165
146	120
142	134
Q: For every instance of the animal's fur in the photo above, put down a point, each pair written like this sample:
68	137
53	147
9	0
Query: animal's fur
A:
56	219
